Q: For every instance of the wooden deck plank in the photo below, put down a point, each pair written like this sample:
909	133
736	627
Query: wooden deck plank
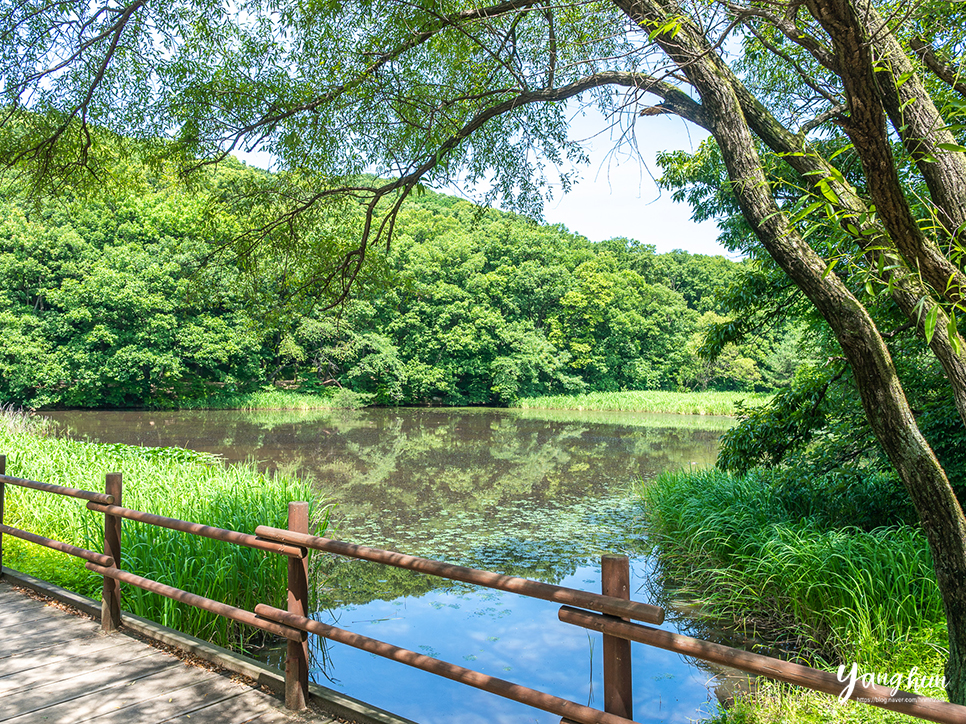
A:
24	617
252	707
172	704
50	624
240	709
48	645
41	696
114	697
48	640
53	621
8	596
65	671
279	717
18	663
59	669
53	629
8	591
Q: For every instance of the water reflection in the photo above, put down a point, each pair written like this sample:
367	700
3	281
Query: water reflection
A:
508	637
521	492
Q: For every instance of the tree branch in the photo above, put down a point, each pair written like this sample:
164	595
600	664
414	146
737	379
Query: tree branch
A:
835	112
417	38
946	72
787	27
44	149
373	232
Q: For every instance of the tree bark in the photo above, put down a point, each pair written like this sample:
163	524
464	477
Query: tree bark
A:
878	384
906	288
866	127
918	123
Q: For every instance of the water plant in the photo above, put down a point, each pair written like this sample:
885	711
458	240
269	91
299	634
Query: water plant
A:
273	398
855	594
174	482
739	548
709	402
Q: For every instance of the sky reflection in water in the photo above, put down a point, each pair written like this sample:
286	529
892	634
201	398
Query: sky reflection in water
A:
531	493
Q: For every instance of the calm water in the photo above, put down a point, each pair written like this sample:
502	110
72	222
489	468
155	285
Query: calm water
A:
537	494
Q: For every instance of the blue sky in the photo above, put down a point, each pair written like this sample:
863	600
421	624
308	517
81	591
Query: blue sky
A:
617	195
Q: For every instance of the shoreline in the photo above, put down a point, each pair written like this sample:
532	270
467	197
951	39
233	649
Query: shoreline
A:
711	403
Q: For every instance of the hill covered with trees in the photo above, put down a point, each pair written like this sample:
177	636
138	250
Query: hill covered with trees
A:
123	300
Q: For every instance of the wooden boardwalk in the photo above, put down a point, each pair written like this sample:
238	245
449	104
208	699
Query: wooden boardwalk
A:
59	668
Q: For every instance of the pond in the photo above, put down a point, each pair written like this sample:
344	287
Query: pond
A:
538	494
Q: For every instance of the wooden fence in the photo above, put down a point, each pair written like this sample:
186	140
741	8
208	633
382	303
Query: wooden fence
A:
610	612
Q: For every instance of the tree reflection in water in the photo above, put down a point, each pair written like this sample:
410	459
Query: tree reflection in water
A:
532	493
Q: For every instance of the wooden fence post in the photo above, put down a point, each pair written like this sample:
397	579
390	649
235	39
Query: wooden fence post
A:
297	658
3	471
618	693
111	595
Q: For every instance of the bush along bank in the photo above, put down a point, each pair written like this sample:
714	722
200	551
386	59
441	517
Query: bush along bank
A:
769	554
174	482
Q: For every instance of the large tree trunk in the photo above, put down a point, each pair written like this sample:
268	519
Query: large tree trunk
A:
866	126
915	118
906	288
881	392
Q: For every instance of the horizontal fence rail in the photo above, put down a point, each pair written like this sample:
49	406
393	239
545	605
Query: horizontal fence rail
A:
608	614
206	531
508	690
57	545
922	707
59	490
192	599
534	589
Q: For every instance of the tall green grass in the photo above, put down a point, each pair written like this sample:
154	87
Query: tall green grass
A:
709	402
173	482
740	549
277	399
851	591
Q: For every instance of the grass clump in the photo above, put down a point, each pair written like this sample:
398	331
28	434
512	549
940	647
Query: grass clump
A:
273	398
775	703
709	402
780	564
174	482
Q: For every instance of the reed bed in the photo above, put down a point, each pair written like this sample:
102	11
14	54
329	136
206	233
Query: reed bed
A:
858	595
173	482
278	399
709	402
755	555
832	594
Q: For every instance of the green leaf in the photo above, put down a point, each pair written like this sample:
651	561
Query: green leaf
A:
807	210
827	192
847	147
952	332
930	325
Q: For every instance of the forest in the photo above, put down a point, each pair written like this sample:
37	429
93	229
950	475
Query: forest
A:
124	300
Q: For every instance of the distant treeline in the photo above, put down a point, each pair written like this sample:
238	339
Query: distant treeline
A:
120	301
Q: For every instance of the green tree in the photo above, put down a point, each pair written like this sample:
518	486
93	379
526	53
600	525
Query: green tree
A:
100	306
727	369
431	93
